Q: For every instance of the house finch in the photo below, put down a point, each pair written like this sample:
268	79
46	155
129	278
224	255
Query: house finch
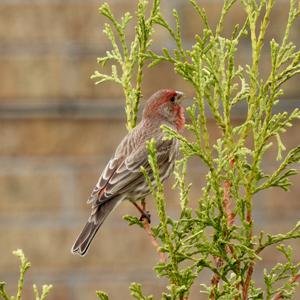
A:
122	177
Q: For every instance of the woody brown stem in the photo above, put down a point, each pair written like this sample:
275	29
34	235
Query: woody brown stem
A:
250	269
229	213
215	279
227	203
147	228
230	216
230	220
153	241
247	282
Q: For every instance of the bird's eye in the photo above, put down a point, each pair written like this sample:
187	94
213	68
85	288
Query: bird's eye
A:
172	99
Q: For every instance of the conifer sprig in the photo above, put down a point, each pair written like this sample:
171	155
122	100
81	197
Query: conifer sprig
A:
219	234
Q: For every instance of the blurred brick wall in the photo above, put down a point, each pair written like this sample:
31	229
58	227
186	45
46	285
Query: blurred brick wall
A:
57	131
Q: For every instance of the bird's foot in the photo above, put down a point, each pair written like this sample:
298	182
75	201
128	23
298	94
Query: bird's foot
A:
146	216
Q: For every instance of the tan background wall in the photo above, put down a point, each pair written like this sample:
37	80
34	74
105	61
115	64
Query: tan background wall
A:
57	131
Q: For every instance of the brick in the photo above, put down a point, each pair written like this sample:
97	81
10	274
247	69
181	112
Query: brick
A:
166	79
16	82
29	193
59	291
60	137
278	204
192	23
270	162
115	289
51	56
61	50
86	87
278	21
68	68
58	22
151	81
70	79
271	256
52	77
108	249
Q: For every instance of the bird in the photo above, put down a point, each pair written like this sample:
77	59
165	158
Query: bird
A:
122	178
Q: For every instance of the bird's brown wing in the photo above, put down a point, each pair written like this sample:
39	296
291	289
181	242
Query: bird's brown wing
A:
128	177
124	175
104	179
125	148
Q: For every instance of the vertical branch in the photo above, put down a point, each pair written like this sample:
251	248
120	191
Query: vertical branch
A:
215	279
129	60
226	6
3	292
230	220
257	43
247	281
227	200
210	67
24	266
146	223
153	241
158	192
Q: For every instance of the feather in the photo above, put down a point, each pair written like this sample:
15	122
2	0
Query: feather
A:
122	177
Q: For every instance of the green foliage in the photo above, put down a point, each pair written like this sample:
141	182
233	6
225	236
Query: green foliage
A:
101	295
127	59
136	292
280	273
219	235
24	266
132	220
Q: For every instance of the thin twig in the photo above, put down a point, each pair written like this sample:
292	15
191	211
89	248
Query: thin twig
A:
230	216
227	200
247	282
230	220
250	269
216	278
279	296
153	241
148	230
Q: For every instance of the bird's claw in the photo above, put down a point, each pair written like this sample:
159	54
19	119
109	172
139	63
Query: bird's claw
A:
146	216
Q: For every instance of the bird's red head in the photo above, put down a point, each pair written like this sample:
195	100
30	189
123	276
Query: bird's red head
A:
165	104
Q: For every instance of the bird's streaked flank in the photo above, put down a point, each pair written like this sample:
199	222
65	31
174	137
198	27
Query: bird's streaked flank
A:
122	178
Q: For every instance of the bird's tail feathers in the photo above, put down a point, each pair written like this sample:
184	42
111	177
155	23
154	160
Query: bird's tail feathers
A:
86	236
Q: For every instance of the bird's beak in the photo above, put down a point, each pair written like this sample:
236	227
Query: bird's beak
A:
178	97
